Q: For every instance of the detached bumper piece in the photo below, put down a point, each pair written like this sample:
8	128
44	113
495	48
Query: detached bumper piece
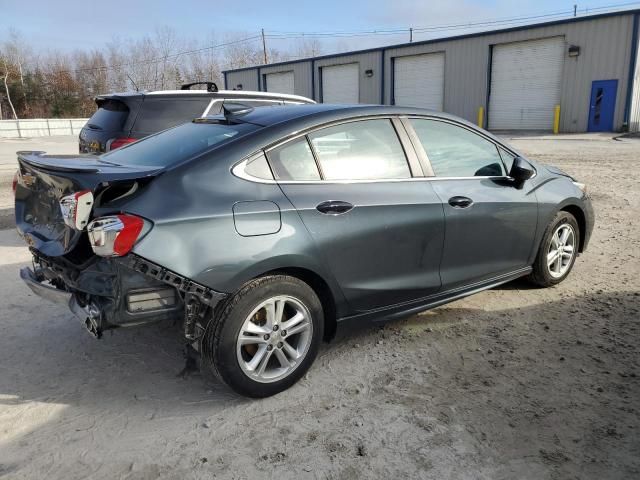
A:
109	293
89	313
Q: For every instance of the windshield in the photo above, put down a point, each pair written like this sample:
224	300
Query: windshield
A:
176	144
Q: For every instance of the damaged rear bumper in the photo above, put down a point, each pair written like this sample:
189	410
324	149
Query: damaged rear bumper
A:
120	292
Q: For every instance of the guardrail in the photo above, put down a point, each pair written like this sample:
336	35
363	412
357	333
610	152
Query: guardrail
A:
41	127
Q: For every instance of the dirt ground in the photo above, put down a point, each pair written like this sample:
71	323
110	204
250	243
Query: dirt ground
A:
514	382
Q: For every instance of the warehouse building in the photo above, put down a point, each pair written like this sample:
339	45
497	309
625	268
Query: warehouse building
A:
575	75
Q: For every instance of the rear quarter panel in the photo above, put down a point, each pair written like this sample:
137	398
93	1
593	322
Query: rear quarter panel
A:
194	233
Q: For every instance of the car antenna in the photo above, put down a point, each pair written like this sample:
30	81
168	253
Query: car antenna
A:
233	109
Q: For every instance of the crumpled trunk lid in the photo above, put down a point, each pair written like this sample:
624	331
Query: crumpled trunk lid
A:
45	179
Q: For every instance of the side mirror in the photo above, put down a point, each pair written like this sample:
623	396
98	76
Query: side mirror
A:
521	170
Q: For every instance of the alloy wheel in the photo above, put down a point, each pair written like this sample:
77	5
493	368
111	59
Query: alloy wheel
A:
274	339
561	250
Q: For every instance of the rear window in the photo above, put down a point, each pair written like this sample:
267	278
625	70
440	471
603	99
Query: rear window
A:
110	116
176	144
157	114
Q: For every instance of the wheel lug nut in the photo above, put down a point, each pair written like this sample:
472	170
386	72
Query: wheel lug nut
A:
275	328
283	333
266	336
279	344
269	347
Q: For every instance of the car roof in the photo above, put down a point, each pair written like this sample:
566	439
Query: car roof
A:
322	112
220	93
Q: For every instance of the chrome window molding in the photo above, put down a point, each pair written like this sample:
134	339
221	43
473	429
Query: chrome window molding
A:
238	168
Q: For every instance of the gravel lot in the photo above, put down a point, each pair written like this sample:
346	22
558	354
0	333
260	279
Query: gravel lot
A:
511	383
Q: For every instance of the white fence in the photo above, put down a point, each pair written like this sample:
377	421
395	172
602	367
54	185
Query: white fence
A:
41	127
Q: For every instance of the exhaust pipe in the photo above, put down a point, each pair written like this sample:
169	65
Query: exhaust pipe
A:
90	314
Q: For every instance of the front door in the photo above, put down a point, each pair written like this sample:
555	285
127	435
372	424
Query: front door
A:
603	105
379	231
489	223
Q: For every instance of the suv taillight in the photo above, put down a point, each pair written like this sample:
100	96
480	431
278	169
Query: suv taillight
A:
14	184
115	235
119	142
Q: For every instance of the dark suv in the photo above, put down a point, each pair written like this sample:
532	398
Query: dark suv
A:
123	118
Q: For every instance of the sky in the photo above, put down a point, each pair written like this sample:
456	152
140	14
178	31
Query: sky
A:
66	25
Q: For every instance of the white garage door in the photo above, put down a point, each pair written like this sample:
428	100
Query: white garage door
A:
340	83
418	81
526	79
280	82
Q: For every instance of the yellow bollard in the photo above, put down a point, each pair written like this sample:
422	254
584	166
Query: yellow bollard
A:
556	119
481	117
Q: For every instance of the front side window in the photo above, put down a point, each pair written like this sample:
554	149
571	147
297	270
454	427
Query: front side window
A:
294	161
454	151
362	150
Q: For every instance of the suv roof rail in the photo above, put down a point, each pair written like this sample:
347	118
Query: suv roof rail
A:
211	86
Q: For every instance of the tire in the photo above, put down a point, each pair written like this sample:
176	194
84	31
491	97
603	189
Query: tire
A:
254	365
547	274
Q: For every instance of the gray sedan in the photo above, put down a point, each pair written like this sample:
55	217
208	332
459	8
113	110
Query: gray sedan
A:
261	229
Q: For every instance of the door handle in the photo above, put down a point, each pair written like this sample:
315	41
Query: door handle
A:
460	202
334	207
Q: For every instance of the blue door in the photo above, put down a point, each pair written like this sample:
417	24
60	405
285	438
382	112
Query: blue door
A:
602	106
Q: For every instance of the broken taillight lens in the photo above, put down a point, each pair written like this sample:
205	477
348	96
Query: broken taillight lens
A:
76	209
115	235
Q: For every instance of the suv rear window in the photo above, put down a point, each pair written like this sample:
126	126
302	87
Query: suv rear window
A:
110	116
177	144
161	113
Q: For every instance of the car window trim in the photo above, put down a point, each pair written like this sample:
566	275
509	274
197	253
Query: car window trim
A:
237	168
425	158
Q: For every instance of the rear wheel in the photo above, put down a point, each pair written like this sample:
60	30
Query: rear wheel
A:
265	337
558	250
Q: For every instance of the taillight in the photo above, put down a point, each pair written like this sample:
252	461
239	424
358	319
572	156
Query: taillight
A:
119	142
76	209
115	235
14	184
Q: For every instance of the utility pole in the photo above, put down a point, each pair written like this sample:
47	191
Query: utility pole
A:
410	34
575	9
264	48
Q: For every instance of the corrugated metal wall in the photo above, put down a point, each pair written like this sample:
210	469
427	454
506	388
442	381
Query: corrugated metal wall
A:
247	78
605	52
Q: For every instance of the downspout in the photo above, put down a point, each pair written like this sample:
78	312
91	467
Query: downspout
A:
313	79
382	77
632	72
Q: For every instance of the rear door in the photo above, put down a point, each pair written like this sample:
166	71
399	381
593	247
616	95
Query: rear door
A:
490	224
379	230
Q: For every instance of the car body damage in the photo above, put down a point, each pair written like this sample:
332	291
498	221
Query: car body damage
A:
259	230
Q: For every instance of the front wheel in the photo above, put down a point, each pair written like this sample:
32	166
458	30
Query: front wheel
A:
558	251
265	337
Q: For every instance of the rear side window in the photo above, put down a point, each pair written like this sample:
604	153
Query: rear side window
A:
454	151
110	116
158	114
294	161
362	150
177	144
